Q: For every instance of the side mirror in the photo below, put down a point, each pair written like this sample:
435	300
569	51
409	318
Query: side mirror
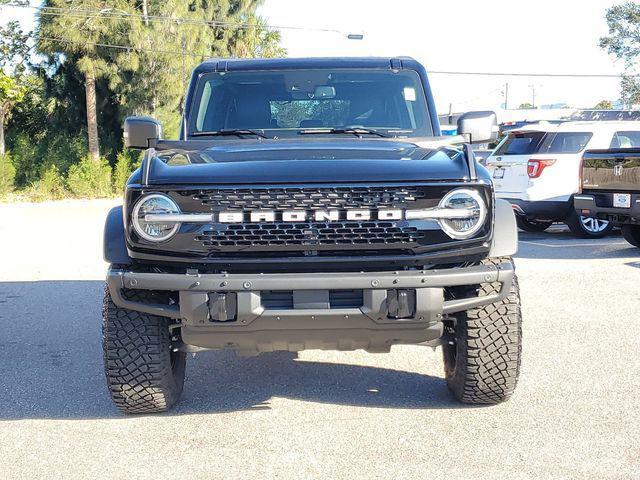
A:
141	132
480	127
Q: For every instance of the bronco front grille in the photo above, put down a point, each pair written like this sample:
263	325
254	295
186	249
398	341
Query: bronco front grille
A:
279	237
308	198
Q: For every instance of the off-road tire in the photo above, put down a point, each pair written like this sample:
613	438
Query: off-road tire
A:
533	226
483	363
631	234
143	374
578	229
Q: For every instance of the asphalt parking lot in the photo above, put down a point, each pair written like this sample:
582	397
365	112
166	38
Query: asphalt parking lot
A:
323	415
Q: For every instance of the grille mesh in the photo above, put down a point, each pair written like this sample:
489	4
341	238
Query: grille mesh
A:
308	198
313	237
341	233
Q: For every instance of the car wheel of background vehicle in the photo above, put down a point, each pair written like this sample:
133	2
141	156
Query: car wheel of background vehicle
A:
533	226
587	227
143	374
482	362
631	234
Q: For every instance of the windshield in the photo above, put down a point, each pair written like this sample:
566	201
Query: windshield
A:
282	103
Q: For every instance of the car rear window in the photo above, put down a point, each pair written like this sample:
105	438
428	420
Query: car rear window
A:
565	142
625	139
520	143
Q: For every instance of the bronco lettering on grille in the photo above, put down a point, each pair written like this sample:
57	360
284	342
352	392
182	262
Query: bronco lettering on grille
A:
309	215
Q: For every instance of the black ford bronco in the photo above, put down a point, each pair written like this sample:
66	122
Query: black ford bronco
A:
611	188
309	204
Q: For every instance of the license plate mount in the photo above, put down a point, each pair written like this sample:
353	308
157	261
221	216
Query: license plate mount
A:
622	200
498	173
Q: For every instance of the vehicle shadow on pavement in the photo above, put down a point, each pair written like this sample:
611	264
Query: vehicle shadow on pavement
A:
51	357
220	381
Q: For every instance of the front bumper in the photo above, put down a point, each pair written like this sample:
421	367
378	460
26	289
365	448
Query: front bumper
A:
600	205
257	327
541	210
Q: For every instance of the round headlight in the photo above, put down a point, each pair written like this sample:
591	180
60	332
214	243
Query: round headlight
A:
468	213
155	204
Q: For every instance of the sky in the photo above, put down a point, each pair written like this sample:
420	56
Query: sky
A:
534	36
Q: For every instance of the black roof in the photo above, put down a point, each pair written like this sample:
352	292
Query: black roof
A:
239	64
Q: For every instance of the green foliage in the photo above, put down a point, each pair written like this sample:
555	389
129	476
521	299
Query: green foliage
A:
31	158
44	105
14	47
49	187
604	105
151	76
630	90
623	42
63	151
125	165
11	92
32	115
26	160
90	179
7	174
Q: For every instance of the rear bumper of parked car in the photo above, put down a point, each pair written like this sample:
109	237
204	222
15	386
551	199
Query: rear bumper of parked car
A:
600	205
541	210
304	317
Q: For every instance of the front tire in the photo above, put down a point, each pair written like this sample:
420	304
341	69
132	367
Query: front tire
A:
532	226
631	234
483	362
143	374
587	227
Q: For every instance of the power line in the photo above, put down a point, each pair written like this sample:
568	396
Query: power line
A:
504	74
122	15
121	47
127	16
431	72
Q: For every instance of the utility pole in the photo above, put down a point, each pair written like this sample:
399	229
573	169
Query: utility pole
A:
506	96
533	95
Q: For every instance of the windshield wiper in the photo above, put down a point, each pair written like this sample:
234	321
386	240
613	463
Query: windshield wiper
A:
358	131
229	131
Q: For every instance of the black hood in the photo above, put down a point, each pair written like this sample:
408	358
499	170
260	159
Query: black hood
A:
303	161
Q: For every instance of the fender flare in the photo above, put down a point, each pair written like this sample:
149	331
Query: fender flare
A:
114	243
505	231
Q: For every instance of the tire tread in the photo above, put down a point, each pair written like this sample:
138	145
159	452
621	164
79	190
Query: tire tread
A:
137	360
489	348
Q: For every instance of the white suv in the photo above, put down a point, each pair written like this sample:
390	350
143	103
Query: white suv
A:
537	169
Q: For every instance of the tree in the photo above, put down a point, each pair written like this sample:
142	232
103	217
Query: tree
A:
78	34
525	106
14	52
623	42
173	38
14	48
11	92
144	51
604	105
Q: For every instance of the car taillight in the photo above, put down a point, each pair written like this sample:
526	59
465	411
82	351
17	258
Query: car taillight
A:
580	175
535	167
